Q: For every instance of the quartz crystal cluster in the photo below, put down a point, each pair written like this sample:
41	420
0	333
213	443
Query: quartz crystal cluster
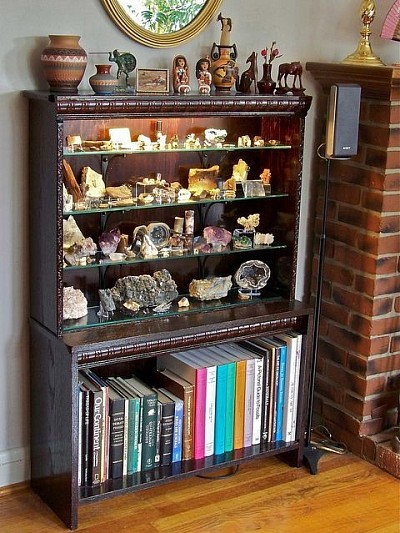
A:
74	303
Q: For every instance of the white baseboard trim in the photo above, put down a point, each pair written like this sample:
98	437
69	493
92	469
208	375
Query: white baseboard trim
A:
14	466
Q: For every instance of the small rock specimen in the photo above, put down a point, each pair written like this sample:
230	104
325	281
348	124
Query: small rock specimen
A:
210	288
74	304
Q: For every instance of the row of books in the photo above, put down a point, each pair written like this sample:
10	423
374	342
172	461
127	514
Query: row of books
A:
197	403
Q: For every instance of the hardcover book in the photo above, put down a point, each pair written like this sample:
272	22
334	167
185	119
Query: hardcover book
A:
178	426
166	427
185	391
149	420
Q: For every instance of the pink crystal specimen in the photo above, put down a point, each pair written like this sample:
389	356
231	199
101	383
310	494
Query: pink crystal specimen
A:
215	235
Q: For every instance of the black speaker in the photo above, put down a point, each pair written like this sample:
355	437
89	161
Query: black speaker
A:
342	121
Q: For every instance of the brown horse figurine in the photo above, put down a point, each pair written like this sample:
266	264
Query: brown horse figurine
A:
248	76
294	69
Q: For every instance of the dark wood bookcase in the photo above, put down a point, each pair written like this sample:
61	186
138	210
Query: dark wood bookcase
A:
120	344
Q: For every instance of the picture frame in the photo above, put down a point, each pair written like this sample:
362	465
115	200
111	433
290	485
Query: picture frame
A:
152	81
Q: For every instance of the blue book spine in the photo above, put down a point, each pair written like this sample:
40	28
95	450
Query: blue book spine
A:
230	406
220	409
178	432
280	393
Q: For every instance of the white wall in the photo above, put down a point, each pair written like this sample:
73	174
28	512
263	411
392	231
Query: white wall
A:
306	30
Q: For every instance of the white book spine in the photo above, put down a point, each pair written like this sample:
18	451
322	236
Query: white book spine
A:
249	402
257	399
210	411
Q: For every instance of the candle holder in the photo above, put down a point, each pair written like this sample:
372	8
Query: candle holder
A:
363	54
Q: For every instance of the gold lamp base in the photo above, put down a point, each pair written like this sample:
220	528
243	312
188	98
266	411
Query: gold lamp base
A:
363	55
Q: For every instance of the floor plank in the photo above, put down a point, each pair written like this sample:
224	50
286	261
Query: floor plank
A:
348	495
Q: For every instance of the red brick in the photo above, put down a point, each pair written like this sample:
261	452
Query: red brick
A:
372	200
349	340
375	385
371	179
377	158
394	138
384	113
395	347
386	265
382	306
345	380
357	364
353	300
389	244
393	160
397	304
368	242
374	135
367	220
332	352
356	259
385	326
336	313
370	427
365	284
342	233
392	182
391	224
391	203
329	390
355	405
342	192
337	273
381	364
387	285
362	325
380	345
343	420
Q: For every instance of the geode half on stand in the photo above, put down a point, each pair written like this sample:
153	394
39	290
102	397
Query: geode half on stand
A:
144	290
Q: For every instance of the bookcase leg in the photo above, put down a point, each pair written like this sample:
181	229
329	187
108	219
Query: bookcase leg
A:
311	456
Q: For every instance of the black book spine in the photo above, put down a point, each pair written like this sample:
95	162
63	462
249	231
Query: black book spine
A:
117	427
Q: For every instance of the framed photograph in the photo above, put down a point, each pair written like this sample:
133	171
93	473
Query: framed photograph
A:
152	81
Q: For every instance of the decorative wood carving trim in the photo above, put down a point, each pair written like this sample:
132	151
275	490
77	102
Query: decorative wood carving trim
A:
149	106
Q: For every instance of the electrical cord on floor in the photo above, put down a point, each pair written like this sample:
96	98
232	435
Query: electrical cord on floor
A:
322	439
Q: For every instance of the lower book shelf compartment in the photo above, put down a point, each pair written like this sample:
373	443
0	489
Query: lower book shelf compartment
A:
183	469
188	411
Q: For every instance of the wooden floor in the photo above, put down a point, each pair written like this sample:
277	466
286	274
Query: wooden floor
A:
347	495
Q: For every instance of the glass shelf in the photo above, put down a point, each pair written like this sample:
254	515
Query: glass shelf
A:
127	151
102	261
172	204
92	319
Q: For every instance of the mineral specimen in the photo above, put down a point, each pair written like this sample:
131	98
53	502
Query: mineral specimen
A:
215	235
145	290
240	170
109	241
249	223
253	275
92	183
210	288
71	233
263	238
74	304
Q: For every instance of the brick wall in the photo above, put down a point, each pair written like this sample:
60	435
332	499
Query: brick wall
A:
358	362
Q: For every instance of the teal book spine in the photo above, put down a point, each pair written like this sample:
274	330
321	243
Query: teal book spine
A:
133	435
280	393
230	406
220	409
